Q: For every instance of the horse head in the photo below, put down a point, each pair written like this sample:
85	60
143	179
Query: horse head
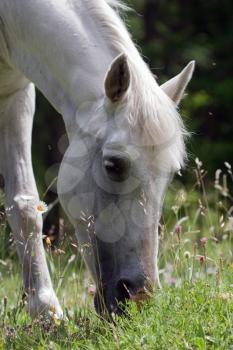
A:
123	152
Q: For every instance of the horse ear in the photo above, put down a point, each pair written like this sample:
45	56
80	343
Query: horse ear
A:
118	78
176	86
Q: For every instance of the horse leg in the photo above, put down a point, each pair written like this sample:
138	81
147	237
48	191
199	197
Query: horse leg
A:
21	196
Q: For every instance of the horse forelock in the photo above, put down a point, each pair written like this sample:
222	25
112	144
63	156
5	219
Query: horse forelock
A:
151	111
156	118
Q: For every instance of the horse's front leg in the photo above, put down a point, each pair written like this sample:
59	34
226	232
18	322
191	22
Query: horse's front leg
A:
21	197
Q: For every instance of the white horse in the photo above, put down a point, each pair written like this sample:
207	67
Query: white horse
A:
126	140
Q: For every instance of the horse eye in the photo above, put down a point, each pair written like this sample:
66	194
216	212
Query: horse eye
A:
117	168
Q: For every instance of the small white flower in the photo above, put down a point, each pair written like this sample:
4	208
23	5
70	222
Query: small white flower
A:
41	207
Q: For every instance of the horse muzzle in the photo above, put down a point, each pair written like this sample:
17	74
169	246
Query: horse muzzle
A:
112	298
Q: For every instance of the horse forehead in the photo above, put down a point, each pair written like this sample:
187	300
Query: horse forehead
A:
118	135
120	130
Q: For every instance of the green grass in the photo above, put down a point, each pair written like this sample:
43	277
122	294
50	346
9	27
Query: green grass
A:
194	310
194	316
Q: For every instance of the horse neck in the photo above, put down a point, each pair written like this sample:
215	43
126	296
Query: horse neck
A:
60	49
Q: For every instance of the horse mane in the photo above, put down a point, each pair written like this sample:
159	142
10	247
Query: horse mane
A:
151	110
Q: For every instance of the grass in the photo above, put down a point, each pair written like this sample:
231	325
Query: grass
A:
194	310
198	316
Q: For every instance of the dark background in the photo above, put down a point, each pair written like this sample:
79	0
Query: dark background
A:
169	35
